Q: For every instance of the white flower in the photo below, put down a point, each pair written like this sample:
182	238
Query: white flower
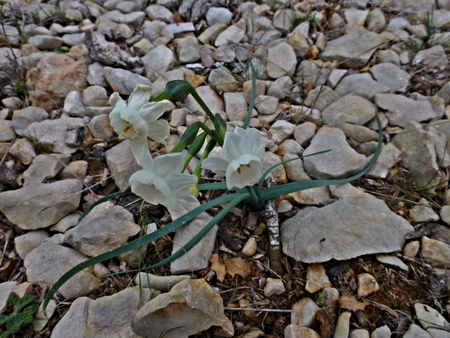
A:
241	160
161	181
138	120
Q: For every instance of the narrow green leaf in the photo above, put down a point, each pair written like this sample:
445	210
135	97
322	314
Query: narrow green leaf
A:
188	137
102	200
213	186
134	244
252	98
220	129
195	147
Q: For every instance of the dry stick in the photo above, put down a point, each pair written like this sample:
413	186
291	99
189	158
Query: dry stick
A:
274	231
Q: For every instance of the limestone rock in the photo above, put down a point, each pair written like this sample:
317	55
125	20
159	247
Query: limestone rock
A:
193	307
362	225
351	109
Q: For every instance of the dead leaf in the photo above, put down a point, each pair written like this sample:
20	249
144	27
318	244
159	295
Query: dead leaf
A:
327	319
364	69
312	52
218	267
238	266
177	17
350	303
309	86
195	80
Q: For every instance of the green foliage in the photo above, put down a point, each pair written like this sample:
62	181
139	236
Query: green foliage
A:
60	50
23	313
299	18
320	298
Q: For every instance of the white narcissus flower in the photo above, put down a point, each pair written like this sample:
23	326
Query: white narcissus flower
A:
241	161
161	181
138	119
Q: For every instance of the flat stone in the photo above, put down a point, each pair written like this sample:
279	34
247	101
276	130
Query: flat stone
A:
44	167
401	110
340	161
122	164
198	257
415	331
354	48
382	332
343	325
313	196
75	169
351	109
95	75
375	20
48	262
23	150
105	228
389	155
279	173
392	261
295	331
230	34
222	80
100	127
187	49
280	87
73	104
123	81
436	251
320	98
219	15
41	205
159	60
422	212
316	278
367	284
235	106
359	333
250	247
362	85
210	97
274	286
28	242
193	307
45	42
53	133
5	289
281	60
417	147
432	321
177	74
22	118
304	312
160	283
391	76
378	230
177	28
431	58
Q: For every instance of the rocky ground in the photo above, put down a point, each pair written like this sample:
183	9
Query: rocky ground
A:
362	259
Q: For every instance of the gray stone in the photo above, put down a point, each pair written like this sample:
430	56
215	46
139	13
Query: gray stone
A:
444	92
304	132
45	42
335	77
295	331
415	331
362	225
67	222
5	289
177	74
375	20
158	12
396	24
432	321
266	105
417	9
218	15
210	97
304	312
100	127
308	73
417	147
193	307
188	49
316	278
222	80
279	173
133	19
160	283
303	114
336	21
295	171
320	98
290	146
28	242
445	214
280	131
48	262
95	75
354	49
359	333
95	96
362	85
106	227
401	110
411	249
230	35
87	318
274	286
73	39
6	131
281	87
22	118
122	164
381	332
198	257
23	150
158	61
281	60
356	133
435	251
389	155
392	261
44	167
235	106
210	34
39	206
73	104
391	76
53	133
388	56
177	28
355	16
422	212
350	109
343	325
432	58
312	196
298	43
124	81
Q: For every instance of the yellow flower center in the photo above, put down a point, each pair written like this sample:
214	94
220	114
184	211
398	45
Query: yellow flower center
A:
241	166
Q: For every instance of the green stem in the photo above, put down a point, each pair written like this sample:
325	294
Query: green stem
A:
209	147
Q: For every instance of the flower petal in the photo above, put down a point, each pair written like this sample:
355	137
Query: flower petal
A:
231	149
153	110
251	143
140	151
158	131
168	164
244	171
216	164
116	101
139	97
150	187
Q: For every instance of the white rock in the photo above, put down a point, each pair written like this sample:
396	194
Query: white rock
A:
304	312
392	260
367	284
273	286
316	278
